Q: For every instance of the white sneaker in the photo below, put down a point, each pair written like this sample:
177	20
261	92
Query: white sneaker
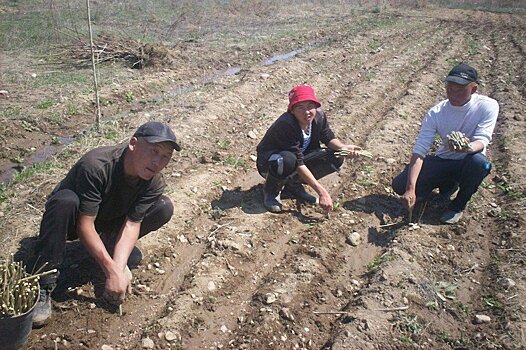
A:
451	217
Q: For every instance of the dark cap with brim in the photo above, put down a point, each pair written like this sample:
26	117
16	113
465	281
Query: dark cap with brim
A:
462	74
155	132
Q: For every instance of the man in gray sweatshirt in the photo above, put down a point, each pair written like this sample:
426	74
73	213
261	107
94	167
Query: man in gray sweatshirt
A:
451	168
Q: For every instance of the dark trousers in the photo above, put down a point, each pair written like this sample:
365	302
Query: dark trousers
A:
282	165
59	225
444	174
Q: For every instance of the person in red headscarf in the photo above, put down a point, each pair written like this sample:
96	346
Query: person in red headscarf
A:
290	155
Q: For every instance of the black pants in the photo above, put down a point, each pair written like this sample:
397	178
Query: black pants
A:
443	174
320	162
59	225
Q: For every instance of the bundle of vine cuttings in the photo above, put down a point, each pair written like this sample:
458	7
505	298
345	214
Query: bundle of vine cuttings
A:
18	289
457	141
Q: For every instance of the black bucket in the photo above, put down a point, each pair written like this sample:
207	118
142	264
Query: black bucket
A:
15	330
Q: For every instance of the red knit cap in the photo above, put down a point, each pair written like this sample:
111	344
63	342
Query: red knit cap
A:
302	93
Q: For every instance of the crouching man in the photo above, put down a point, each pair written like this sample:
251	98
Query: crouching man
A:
465	123
290	154
109	199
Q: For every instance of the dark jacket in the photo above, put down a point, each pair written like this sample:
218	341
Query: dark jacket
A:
285	135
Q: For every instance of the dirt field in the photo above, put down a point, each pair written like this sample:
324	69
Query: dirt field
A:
224	273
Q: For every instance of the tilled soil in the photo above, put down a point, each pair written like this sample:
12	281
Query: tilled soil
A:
224	273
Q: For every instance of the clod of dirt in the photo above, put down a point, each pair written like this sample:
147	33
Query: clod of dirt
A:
354	239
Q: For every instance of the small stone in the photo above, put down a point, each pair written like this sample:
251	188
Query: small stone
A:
482	319
355	283
507	283
211	286
91	331
450	247
264	76
147	343
171	336
390	160
270	298
354	239
224	329
92	305
4	93
405	301
106	347
252	134
495	212
253	157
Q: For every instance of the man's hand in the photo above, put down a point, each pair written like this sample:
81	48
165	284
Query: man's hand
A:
117	284
352	150
458	142
409	199
326	202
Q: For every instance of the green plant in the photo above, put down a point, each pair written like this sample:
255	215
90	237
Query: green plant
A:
55	118
461	343
376	9
446	290
10	112
44	104
38	168
3	193
129	96
368	170
236	162
55	140
409	328
473	45
492	302
375	264
72	109
432	305
223	144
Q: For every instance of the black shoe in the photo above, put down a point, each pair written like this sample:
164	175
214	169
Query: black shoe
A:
42	311
272	202
271	193
296	190
135	258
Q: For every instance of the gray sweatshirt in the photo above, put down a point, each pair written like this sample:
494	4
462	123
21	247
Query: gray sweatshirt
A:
476	119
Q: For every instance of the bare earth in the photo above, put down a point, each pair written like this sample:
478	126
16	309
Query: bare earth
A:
225	274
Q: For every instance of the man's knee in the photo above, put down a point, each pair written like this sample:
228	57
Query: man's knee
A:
399	183
477	164
65	199
282	164
166	208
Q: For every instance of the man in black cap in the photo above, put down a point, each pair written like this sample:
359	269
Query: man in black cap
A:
110	198
452	168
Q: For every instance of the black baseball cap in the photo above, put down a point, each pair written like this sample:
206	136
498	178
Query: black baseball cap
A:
462	74
155	132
